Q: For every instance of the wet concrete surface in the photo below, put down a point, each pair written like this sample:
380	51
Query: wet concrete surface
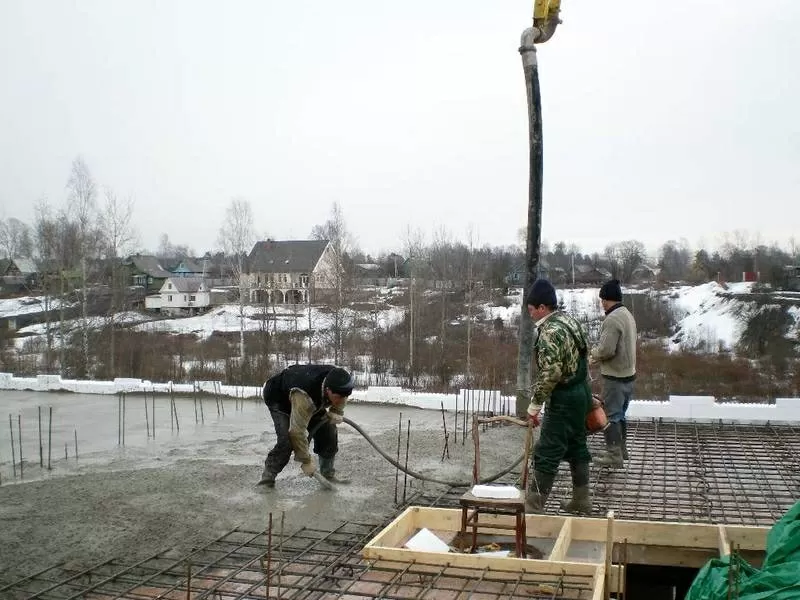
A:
183	488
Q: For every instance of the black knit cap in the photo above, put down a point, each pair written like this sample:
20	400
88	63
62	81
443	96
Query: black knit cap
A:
542	292
339	381
611	291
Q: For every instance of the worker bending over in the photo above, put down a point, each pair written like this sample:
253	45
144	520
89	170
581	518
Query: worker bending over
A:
561	386
306	402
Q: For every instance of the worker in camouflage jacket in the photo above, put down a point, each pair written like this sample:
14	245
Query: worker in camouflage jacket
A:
561	387
306	402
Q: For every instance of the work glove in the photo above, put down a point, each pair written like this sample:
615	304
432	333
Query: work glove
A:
535	414
335	418
308	468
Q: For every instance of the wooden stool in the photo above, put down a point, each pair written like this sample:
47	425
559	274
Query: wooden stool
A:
471	506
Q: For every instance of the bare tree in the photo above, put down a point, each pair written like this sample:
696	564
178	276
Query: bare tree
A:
414	250
15	239
82	205
46	235
118	235
236	236
441	265
613	259
632	255
470	298
340	273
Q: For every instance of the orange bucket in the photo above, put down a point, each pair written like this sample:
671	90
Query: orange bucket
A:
596	419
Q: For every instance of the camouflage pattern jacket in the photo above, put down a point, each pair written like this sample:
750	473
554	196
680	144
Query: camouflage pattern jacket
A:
557	355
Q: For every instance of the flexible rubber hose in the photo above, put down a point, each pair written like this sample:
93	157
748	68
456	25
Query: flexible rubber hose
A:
416	475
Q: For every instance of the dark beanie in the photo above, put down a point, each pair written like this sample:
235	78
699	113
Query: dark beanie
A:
339	381
611	291
542	292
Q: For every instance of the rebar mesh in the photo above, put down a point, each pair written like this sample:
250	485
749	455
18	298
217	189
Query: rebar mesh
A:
688	472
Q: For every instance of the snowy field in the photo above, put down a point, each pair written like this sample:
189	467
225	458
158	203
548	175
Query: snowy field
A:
708	316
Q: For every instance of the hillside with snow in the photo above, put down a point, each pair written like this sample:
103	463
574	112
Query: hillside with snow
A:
708	317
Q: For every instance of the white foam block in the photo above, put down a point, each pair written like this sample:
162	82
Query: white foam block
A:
426	541
495	491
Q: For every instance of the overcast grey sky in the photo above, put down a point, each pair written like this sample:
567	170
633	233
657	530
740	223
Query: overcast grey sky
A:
661	120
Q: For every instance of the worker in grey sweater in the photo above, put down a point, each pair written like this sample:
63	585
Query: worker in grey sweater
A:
616	354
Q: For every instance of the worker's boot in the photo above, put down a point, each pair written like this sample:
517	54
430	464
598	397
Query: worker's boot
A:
580	504
612	457
624	425
327	470
538	491
267	479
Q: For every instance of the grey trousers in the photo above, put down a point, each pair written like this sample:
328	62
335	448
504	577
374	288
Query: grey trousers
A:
616	398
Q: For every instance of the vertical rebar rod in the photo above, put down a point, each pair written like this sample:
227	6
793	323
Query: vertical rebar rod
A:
269	554
455	422
49	437
194	393
13	450
124	403
397	469
175	410
171	408
119	419
188	580
66	454
216	397
19	429
202	415
41	448
445	449
146	416
76	444
408	446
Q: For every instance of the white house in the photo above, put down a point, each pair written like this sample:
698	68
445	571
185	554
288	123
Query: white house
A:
180	296
289	272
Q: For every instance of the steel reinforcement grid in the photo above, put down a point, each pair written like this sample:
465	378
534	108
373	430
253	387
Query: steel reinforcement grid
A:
718	473
726	473
308	564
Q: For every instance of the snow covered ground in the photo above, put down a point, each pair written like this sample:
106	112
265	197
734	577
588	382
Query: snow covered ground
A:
709	317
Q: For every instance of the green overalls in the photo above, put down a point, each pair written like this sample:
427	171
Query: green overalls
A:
563	433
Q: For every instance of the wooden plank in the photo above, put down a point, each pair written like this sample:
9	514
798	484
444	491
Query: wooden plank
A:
679	535
609	552
398	531
600	584
724	542
748	537
477	561
564	539
542	526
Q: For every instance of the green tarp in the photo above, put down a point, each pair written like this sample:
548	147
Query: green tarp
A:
778	578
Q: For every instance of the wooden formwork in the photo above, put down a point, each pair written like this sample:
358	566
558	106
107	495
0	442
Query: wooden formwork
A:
612	545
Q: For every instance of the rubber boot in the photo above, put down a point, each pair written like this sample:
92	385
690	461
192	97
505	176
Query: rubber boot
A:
624	425
612	457
580	504
538	491
267	479
328	471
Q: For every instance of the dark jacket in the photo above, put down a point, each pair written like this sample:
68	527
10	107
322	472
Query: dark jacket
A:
308	378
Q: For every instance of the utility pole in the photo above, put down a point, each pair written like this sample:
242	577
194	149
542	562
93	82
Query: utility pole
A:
536	168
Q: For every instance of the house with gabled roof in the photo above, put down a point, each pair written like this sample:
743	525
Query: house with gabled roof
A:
288	271
180	296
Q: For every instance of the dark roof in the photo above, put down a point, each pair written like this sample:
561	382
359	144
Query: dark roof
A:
190	264
186	284
26	266
149	265
290	256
